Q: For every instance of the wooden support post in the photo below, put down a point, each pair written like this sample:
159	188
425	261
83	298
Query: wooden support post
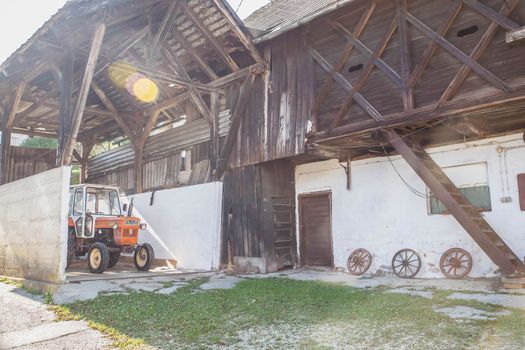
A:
66	101
139	169
86	151
235	124
5	147
214	130
96	45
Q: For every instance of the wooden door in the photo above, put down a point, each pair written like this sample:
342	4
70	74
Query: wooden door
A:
316	231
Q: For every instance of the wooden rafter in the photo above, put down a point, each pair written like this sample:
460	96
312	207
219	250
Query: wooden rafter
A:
96	46
500	17
366	52
478	51
194	54
166	24
196	97
13	108
328	83
373	59
128	131
346	85
457	53
239	32
212	40
432	46
404	48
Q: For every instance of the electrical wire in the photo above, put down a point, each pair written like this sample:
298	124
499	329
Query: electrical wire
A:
239	7
411	188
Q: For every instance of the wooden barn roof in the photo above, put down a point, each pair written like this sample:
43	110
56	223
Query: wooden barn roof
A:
280	16
183	46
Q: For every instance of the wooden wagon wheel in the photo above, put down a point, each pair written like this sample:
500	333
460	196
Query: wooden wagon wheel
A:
359	262
406	263
456	263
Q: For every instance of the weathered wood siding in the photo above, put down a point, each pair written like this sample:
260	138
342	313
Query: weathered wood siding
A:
276	120
258	210
162	155
25	162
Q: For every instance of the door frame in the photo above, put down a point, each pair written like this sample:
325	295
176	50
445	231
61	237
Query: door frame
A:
300	197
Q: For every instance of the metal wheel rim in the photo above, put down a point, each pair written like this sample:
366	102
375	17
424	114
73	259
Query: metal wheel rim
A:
456	263
142	257
359	262
406	263
95	258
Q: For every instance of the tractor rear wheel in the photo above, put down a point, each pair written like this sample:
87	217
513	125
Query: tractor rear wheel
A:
113	259
98	258
144	257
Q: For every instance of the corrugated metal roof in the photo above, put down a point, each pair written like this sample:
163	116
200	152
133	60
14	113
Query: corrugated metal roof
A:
283	15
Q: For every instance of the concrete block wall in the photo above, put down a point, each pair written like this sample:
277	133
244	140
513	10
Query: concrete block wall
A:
33	226
381	215
184	224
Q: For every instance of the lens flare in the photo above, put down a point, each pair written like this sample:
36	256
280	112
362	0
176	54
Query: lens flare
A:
125	76
145	90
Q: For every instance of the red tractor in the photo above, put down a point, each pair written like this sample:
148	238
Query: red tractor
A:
99	228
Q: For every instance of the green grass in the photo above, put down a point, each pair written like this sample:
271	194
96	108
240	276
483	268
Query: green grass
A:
283	313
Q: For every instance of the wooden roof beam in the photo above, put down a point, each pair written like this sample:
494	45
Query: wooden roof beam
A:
244	38
196	97
515	35
166	24
327	86
499	18
193	53
346	85
209	37
476	54
457	53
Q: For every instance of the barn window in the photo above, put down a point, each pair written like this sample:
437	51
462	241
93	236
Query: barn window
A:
467	31
355	68
472	181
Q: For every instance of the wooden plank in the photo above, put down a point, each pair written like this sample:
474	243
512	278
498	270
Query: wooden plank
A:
515	35
235	123
66	101
346	85
478	51
196	97
327	85
96	45
214	130
404	48
5	146
433	46
166	24
366	52
194	54
454	51
347	103
209	36
244	38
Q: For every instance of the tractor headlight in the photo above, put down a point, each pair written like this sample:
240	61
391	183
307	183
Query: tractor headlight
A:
88	226
143	226
115	226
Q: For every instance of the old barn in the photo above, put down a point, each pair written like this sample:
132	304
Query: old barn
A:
370	136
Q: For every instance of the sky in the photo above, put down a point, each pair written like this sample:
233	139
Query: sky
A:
21	18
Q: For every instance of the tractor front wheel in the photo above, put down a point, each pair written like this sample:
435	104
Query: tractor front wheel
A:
71	248
98	258
113	259
144	257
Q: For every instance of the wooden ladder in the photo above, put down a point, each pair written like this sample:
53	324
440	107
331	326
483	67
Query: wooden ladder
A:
458	205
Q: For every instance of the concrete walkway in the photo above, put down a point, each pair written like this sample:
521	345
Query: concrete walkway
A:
26	323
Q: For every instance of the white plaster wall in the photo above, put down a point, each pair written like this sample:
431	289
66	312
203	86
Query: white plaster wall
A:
33	226
184	224
383	216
